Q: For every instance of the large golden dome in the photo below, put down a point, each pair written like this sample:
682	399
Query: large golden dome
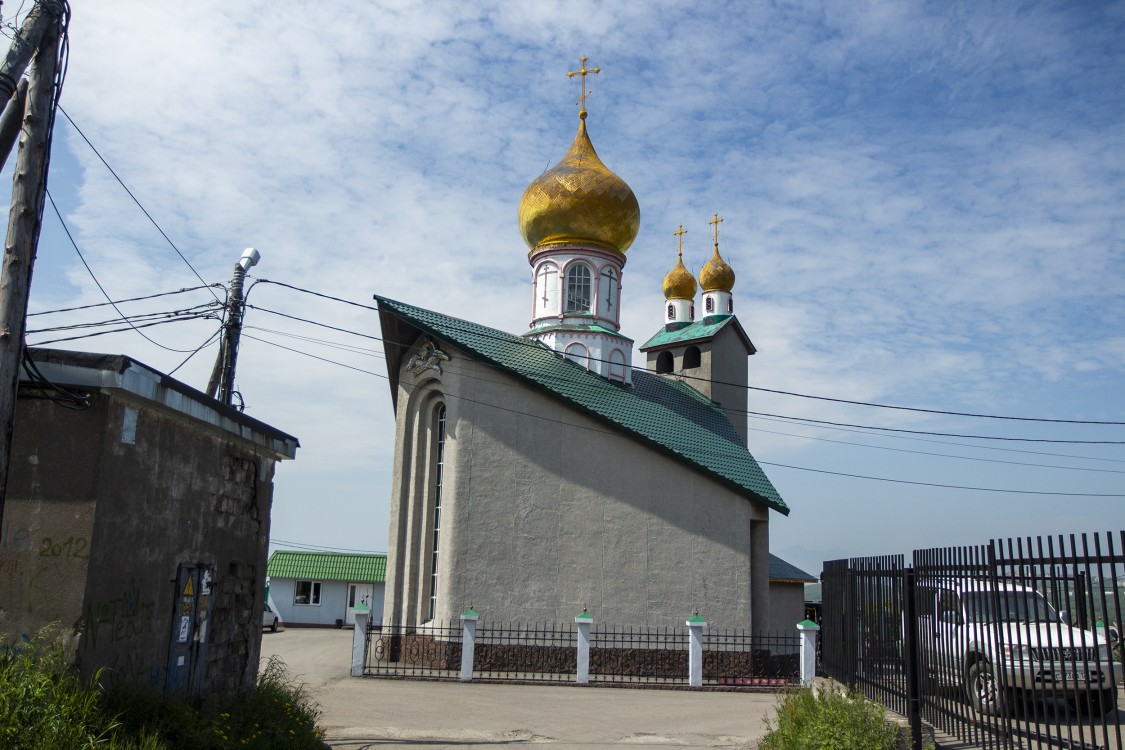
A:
580	200
716	275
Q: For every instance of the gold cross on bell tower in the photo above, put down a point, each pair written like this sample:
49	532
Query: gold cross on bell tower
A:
715	222
680	237
583	72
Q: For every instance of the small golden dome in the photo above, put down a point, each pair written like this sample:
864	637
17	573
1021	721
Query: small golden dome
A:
679	283
716	275
579	200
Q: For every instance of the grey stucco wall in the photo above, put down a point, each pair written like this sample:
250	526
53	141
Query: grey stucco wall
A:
174	492
547	511
787	607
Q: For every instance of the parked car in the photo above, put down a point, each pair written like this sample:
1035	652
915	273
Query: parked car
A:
269	618
992	640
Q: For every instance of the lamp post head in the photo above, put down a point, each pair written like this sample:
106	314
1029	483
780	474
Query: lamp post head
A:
249	259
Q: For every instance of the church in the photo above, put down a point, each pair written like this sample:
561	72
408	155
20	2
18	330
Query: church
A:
539	475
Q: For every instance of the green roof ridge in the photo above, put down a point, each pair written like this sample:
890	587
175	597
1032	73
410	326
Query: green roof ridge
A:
666	414
328	566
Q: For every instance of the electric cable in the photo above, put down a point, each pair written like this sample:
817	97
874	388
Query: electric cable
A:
89	270
775	391
137	201
466	399
131	327
309	546
120	301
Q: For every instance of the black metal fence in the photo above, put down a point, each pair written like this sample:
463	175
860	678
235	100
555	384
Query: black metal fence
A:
547	652
1013	644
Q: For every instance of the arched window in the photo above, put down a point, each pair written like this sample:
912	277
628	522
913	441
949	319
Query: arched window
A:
578	354
691	311
607	293
435	488
617	365
692	357
547	289
664	362
709	305
730	305
578	288
671	311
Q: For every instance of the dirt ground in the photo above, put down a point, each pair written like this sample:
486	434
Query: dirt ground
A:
367	713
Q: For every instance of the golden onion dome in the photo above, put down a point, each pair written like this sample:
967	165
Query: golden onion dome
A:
579	200
679	283
716	275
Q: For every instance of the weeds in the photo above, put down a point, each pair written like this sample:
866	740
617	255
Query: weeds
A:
828	720
45	706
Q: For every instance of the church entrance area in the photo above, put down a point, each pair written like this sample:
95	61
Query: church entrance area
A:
358	593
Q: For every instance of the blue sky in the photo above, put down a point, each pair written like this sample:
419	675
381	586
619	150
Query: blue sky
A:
923	203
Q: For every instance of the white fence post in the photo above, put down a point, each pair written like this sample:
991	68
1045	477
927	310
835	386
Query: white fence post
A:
695	650
583	621
359	640
808	630
468	642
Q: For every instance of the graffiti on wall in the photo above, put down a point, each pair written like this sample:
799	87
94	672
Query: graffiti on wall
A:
121	618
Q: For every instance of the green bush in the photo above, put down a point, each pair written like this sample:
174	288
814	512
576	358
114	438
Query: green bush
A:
828	720
45	706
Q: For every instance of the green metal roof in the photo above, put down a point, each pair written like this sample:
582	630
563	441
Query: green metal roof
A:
662	413
699	330
327	566
783	572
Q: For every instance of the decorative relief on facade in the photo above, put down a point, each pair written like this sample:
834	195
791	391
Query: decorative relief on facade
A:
430	358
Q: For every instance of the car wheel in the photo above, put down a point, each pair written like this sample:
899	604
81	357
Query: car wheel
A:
1103	702
273	627
985	695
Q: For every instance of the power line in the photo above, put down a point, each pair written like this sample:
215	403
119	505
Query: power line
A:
139	205
748	412
89	270
120	301
788	466
749	387
134	327
308	546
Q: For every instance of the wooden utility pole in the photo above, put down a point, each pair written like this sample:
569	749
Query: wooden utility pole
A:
39	36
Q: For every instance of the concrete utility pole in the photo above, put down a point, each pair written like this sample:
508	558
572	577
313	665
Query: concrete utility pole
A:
39	36
222	376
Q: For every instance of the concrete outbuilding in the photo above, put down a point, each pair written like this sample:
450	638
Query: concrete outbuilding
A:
139	517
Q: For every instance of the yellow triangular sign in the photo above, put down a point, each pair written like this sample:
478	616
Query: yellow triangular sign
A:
189	590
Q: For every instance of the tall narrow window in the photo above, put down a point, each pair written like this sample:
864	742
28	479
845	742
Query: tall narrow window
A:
547	289
617	365
578	289
607	293
440	452
709	304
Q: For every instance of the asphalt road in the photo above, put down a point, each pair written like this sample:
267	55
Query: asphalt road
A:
362	713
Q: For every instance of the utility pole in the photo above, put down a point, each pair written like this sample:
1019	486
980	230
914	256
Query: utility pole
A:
221	384
39	36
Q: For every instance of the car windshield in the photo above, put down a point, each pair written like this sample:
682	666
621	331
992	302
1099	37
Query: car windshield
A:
1008	606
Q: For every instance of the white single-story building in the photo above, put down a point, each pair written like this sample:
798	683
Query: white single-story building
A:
323	589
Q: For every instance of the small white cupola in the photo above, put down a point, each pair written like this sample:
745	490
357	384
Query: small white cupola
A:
717	280
679	290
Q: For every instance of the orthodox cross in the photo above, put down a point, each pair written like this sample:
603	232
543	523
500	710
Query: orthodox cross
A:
583	72
715	223
680	237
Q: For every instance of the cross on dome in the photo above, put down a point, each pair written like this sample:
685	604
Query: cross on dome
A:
680	237
715	223
583	72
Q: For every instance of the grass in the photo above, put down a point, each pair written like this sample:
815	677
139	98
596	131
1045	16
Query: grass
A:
828	719
44	705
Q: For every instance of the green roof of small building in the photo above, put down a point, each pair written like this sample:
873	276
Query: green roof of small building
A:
327	566
699	330
665	414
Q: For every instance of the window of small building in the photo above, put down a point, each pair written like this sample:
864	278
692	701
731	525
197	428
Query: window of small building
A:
307	592
664	362
617	365
578	288
578	354
692	357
